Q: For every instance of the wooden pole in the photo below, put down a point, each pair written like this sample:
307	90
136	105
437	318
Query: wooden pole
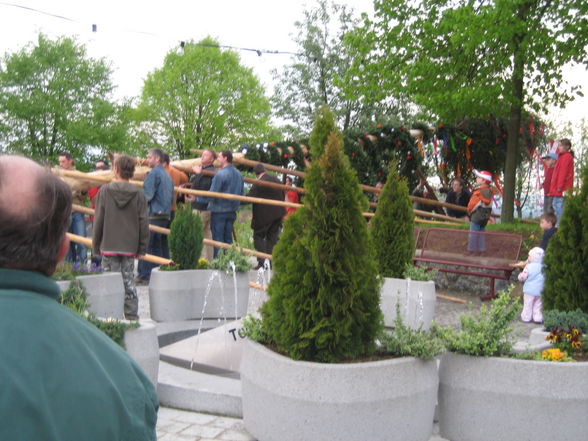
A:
438	216
264	183
147	257
425	221
246	199
166	231
451	299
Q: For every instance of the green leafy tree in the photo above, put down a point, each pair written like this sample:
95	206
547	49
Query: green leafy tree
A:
313	79
391	233
459	58
53	97
185	238
202	97
566	259
324	297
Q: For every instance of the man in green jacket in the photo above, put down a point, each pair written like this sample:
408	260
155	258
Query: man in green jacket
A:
61	379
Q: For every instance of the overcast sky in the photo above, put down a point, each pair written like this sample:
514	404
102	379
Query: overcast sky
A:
135	35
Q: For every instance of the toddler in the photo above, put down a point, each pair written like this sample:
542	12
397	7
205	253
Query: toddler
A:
532	275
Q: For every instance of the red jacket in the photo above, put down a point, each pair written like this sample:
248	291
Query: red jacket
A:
547	181
563	174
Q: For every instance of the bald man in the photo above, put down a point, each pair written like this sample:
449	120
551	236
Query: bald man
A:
61	378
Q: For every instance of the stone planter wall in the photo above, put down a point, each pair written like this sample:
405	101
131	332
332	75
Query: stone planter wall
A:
287	400
106	293
417	302
489	399
142	345
181	295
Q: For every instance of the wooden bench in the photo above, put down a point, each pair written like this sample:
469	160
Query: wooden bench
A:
448	247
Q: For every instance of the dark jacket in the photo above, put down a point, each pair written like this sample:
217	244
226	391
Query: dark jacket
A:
121	225
62	378
463	198
263	214
201	182
547	234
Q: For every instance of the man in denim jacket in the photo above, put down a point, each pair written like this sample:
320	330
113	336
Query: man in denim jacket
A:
159	192
224	211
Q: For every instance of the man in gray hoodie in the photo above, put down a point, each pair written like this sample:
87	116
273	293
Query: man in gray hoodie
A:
121	229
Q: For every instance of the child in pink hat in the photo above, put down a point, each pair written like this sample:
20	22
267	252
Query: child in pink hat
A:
532	275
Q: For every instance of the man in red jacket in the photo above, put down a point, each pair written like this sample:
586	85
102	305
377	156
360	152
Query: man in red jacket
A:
563	176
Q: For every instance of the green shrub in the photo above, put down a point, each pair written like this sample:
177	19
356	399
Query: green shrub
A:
486	334
323	127
232	255
566	258
323	299
185	238
403	341
419	273
392	229
243	231
564	319
253	328
75	298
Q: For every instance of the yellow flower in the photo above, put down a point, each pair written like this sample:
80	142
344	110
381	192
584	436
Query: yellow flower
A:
553	354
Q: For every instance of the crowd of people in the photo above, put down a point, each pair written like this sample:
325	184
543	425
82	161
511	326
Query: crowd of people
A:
123	211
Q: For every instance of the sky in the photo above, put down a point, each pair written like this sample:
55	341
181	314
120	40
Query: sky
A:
135	35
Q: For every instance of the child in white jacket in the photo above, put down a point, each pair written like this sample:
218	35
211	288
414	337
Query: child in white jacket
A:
532	275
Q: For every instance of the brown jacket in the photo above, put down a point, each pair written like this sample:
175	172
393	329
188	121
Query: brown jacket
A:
121	224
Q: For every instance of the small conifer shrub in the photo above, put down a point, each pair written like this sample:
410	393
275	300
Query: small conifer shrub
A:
323	127
566	258
185	238
323	300
392	229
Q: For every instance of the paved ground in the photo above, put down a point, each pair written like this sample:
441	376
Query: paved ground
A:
179	425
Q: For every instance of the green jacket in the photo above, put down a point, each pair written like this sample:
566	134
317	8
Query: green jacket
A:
61	379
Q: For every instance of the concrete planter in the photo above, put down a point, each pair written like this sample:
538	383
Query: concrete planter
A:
142	345
489	399
417	302
106	293
181	295
288	400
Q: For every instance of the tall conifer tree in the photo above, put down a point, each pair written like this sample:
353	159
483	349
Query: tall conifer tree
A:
324	297
392	227
566	259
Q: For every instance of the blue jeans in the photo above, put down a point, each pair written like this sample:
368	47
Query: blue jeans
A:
558	207
77	251
476	242
157	246
221	225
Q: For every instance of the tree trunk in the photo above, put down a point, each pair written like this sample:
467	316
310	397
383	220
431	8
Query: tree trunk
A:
514	120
